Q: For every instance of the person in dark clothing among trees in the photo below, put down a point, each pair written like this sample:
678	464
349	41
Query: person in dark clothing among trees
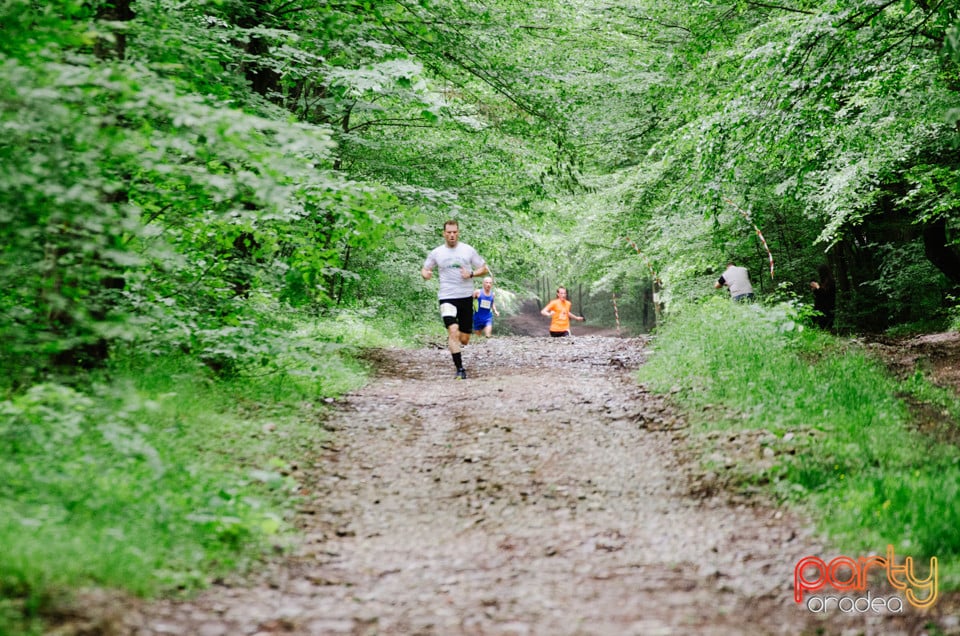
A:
824	297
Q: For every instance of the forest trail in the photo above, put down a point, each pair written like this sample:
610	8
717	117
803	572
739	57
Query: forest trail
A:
548	494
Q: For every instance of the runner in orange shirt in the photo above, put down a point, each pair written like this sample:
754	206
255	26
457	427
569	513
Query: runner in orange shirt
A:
559	311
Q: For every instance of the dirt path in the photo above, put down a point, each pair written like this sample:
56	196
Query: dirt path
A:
545	495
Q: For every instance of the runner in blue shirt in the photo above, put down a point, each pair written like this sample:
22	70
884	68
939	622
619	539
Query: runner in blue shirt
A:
486	309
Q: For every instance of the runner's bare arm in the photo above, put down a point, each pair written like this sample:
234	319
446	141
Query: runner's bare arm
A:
474	273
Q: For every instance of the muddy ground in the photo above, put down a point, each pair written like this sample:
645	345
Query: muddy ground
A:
548	494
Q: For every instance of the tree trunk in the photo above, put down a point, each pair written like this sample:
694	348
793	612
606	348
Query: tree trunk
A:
116	11
939	252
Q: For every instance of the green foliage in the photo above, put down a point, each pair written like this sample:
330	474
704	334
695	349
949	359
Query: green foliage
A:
183	189
842	444
185	180
159	478
92	494
827	124
133	206
908	287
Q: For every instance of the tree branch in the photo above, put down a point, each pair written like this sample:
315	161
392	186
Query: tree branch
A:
391	121
764	5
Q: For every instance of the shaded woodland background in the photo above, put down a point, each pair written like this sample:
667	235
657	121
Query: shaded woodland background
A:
181	176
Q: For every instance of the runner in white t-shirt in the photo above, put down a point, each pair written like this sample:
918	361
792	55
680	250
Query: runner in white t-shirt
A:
457	264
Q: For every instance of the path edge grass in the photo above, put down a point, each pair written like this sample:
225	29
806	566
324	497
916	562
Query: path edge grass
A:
829	430
157	475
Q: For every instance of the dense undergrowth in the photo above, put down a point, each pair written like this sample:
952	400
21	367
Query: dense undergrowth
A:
837	441
157	475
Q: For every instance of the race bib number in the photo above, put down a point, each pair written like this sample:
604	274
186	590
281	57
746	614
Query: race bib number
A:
448	311
485	304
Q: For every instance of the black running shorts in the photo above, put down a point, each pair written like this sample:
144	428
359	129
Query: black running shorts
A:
458	310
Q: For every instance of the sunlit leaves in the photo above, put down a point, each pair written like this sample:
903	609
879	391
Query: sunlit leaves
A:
109	169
